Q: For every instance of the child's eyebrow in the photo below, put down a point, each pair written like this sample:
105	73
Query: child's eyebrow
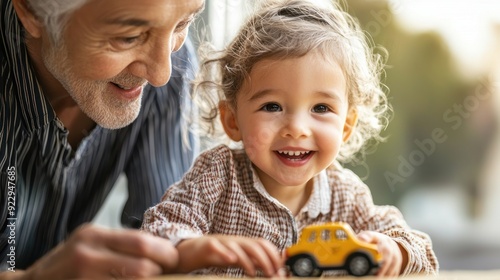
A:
325	94
331	95
260	94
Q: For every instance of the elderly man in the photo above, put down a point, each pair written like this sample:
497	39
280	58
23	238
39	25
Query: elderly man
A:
83	99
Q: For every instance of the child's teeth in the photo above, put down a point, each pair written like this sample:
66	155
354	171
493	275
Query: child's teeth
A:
293	153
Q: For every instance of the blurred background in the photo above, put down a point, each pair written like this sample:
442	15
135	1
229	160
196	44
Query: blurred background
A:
440	164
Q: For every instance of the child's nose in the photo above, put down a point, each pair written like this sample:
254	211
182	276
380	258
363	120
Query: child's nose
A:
297	126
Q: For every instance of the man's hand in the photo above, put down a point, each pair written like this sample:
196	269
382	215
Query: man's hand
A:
394	256
98	253
224	250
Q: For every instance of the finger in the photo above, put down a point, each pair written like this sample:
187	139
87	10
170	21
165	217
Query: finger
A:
260	257
273	254
127	267
99	262
390	266
392	249
141	245
213	252
395	270
219	254
387	262
368	237
243	259
396	267
387	259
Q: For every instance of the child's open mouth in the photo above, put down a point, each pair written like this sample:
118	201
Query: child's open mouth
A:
294	155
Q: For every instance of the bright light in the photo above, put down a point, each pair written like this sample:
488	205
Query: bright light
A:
467	25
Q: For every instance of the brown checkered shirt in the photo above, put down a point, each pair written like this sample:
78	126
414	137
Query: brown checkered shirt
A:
221	194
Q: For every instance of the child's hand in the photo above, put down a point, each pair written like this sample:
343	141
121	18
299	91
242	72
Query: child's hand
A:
392	253
225	250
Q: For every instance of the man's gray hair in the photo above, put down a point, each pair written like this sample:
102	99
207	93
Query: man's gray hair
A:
54	14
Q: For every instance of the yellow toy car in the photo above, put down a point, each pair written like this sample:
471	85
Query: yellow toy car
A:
331	246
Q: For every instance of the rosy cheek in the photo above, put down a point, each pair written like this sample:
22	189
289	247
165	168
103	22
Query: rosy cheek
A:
257	140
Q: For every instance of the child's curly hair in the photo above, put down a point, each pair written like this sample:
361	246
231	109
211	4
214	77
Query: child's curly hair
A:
283	29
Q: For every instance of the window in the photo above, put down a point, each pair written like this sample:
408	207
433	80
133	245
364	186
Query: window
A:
340	234
312	237
221	20
325	235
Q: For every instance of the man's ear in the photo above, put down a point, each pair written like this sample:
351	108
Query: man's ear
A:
350	123
27	18
228	120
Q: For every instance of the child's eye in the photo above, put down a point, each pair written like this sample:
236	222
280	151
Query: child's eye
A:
271	107
321	108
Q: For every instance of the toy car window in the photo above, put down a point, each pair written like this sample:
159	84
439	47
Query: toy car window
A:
312	237
340	234
325	234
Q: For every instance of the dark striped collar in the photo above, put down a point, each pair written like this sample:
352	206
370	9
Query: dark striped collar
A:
35	110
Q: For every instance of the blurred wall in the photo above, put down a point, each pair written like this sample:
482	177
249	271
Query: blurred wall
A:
441	160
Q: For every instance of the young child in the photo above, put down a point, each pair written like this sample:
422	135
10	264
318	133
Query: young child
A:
299	87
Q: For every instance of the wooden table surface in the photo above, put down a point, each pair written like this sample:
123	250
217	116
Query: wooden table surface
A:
443	275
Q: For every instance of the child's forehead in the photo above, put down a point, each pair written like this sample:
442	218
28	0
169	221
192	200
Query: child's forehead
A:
282	76
313	57
278	67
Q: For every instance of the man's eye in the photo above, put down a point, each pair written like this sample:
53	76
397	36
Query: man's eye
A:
182	25
186	23
321	108
271	107
129	42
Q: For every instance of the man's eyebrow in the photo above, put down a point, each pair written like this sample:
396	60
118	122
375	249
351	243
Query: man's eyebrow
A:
128	22
141	22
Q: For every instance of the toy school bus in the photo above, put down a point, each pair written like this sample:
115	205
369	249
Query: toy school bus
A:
331	246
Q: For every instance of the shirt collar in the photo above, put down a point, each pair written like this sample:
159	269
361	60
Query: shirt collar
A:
257	184
318	203
320	200
36	111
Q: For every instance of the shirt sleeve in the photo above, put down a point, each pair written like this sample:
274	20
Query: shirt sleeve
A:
389	220
175	220
165	146
187	208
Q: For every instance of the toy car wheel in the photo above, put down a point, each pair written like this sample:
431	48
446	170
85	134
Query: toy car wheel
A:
304	266
358	264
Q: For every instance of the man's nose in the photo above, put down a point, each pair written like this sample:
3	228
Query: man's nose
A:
159	64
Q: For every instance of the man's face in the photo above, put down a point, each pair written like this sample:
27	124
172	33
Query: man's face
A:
111	49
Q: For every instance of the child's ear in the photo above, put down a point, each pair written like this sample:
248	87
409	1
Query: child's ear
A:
228	120
350	123
27	18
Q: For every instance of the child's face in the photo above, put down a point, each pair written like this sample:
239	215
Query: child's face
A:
292	116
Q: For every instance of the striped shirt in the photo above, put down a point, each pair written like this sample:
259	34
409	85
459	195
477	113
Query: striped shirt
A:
222	194
47	188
